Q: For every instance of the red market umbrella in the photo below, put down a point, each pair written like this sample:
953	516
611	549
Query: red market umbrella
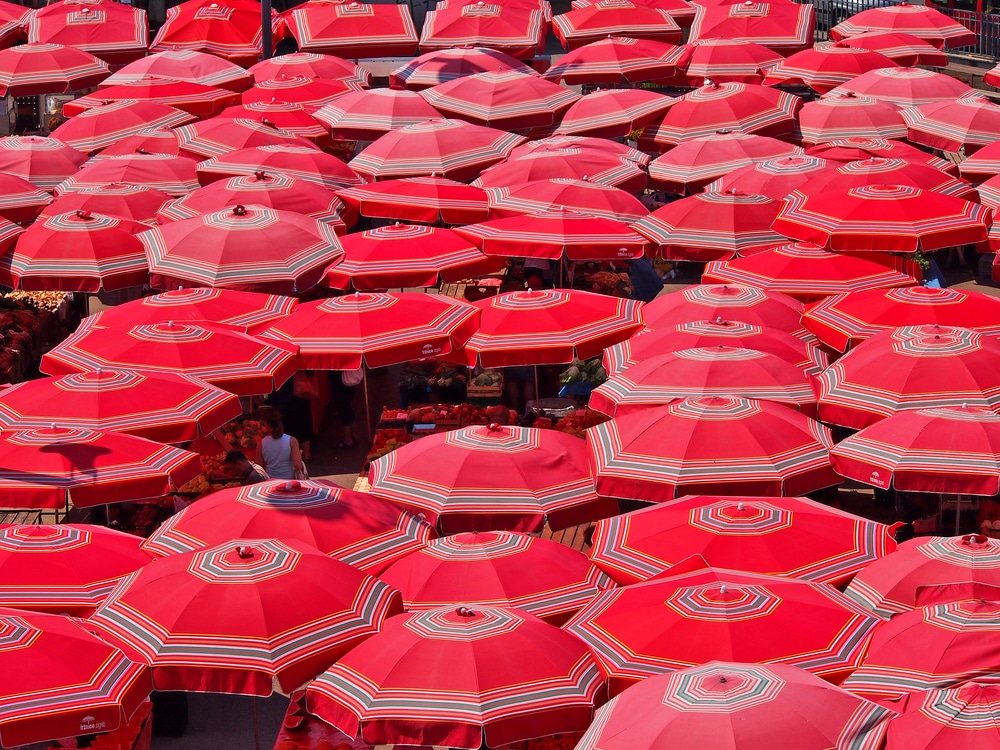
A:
586	143
230	30
291	118
218	620
856	149
692	618
64	568
342	333
440	65
309	93
300	162
194	98
225	358
904	48
729	61
849	115
44	162
108	122
20	201
551	326
773	178
13	19
424	199
808	272
446	148
964	716
492	477
355	528
497	569
884	171
499	676
710	444
50	467
407	255
366	115
752	534
116	33
165	407
352	29
583	196
62	681
905	87
967	123
310	65
158	140
747	304
591	22
983	164
220	136
133	202
30	69
613	113
77	252
184	65
922	21
515	29
567	164
174	175
824	68
619	59
779	26
992	77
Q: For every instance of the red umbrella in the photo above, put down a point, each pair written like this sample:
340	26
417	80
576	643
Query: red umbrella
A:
905	87
309	93
748	304
583	196
223	357
407	255
352	29
779	26
587	143
231	30
857	149
166	407
696	617
498	676
516	29
366	115
292	118
884	171
446	148
849	115
773	178
158	140
355	528
133	202
310	65
77	252
62	681
721	705
497	569
116	33
174	175
808	272
964	716
44	162
922	21
598	20
824	68
194	98
13	19
729	61
20	201
108	122
64	568
59	465
223	135
342	333
983	164
613	113
753	534
619	59
184	65
300	162
440	65
967	123
218	620
492	477
30	69
904	48
565	164
423	199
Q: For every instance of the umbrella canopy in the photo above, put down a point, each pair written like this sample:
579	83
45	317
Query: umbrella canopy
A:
310	65
619	59
499	675
184	65
231	30
696	617
196	99
905	49
492	477
342	333
729	61
359	529
922	21
13	19
568	164
447	64
61	680
20	201
849	115
885	171
286	116
30	69
587	143
352	29
582	196
134	202
497	569
424	199
905	87
106	123
174	175
516	29
116	33
968	123
301	162
166	407
613	113
168	615
773	178
824	68
809	272
779	26
946	718
366	115
983	164
158	140
50	466
44	162
309	93
593	21
710	444
753	534
219	136
858	149
747	304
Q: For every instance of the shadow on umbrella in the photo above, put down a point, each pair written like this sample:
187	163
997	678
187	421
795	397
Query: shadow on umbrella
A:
80	456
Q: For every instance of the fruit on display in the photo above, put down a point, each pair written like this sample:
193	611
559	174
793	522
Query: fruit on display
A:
488	378
386	441
578	421
590	371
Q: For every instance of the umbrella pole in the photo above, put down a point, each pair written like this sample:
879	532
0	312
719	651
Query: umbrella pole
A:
368	411
256	725
267	41
538	396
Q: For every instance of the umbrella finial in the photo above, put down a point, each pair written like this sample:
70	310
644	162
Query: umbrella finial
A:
465	612
239	210
84	215
244	553
741	506
292	485
722	679
723	589
260	175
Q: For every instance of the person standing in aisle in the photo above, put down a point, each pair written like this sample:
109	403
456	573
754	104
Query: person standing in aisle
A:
279	452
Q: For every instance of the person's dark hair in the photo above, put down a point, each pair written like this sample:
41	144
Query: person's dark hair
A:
236	456
277	427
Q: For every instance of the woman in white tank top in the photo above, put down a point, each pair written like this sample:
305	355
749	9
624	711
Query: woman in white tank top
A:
279	453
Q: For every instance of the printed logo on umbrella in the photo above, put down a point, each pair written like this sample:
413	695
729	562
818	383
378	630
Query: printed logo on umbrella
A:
876	479
90	724
430	350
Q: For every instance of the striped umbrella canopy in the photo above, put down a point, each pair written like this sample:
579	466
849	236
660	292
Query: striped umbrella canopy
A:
733	107
613	113
555	235
824	68
20	201
498	676
247	311
184	65
593	21
218	620
59	465
905	87
552	326
309	93
61	681
366	115
30	69
849	115
947	718
134	202
233	361
787	536
712	226
882	218
107	122
724	705
492	477
567	164
166	407
718	370
587	143
406	256
158	140
13	20
913	367
291	118
619	59
857	149
440	65
772	178
582	196
44	162
877	170
516	29
747	304
968	123
423	199
694	163
230	30
710	333
844	320
680	10
905	49
300	162
691	618
310	65
116	33
352	29
174	175
982	165
359	529
222	135
77	252
375	329
922	21
446	148
64	568
196	99
779	26
928	570
497	569
729	61
808	272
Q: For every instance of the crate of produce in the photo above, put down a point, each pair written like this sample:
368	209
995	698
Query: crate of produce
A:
479	289
486	386
386	441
